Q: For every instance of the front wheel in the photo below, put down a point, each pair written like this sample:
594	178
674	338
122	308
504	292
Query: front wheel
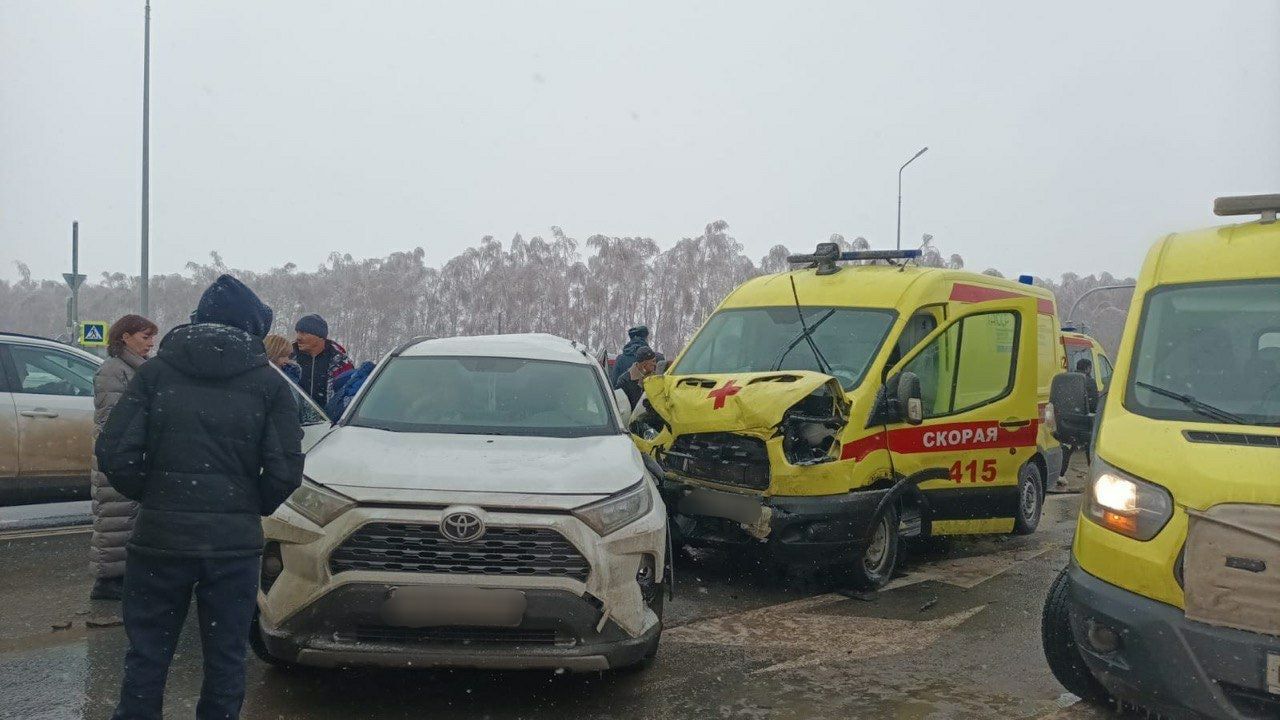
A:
1030	499
1060	648
872	568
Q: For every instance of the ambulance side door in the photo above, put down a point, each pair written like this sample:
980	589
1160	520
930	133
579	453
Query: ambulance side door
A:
978	380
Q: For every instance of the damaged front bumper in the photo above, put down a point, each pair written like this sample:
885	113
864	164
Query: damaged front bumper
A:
815	530
584	607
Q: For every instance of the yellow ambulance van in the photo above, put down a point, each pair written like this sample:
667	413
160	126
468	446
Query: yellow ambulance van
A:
824	413
1171	599
1080	346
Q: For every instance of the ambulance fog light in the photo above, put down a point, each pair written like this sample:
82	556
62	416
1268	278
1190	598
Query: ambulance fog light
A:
1126	505
1101	638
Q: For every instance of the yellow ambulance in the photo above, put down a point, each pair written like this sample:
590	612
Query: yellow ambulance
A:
1078	347
824	413
1172	596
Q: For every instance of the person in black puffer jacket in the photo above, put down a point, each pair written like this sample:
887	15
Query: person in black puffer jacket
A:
206	438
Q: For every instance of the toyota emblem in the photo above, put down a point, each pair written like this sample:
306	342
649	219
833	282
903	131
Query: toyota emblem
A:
462	527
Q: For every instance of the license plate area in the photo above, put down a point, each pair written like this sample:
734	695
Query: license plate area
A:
424	607
745	509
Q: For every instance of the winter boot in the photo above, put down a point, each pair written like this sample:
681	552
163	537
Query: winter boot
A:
107	589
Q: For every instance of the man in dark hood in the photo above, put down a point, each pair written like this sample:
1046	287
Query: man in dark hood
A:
207	439
637	337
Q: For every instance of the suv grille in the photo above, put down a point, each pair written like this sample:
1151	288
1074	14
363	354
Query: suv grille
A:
420	548
720	457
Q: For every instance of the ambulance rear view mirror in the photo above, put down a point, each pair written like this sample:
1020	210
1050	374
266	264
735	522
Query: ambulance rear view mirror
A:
902	396
1069	396
909	401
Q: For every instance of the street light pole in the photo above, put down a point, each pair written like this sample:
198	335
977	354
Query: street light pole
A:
146	157
923	150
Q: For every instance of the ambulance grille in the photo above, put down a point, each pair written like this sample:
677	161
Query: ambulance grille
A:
724	458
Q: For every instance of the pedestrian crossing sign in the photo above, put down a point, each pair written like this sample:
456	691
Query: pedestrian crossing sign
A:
93	334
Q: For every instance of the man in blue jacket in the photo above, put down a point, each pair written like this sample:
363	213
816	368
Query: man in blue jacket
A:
206	438
637	337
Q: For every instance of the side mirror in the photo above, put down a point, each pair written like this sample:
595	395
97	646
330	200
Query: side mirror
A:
623	402
910	406
1070	398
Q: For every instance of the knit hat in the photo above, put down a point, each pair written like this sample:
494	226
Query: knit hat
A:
313	325
230	302
639	331
645	353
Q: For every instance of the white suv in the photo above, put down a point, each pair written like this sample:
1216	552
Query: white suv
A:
480	504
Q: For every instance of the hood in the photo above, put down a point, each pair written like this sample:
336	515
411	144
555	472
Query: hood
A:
1223	467
210	350
230	302
355	460
734	402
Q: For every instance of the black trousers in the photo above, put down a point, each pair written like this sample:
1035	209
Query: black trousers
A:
1066	456
157	593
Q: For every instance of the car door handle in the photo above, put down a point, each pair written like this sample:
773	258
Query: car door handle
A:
38	413
1013	424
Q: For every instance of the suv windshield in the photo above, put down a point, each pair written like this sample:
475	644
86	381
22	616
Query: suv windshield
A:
764	339
486	395
1209	353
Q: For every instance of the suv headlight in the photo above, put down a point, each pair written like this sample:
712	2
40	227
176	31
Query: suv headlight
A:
317	503
1124	504
617	510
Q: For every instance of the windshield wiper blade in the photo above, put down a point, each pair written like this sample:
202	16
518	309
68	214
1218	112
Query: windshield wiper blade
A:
806	334
1199	406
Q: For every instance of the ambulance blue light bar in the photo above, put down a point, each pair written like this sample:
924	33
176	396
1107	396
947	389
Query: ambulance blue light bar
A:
824	257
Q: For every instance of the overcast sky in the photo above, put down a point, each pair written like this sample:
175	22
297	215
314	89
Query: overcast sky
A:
1062	136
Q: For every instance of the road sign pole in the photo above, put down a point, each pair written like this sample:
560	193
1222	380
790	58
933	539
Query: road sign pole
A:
75	272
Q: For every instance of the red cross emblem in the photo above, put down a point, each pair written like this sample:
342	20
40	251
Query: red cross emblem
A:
721	393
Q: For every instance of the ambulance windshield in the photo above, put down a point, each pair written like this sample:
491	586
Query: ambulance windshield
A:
765	339
1209	353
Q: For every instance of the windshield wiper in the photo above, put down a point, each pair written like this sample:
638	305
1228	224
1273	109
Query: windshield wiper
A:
805	334
1203	408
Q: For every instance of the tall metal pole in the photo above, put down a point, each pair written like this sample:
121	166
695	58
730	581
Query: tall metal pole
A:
75	273
923	150
146	158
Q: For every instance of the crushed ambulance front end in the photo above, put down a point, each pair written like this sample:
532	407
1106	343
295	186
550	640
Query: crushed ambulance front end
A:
730	445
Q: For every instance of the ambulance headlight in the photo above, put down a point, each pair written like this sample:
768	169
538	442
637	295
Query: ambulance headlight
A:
1124	504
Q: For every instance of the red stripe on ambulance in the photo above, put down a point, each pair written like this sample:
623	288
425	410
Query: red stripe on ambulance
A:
963	292
964	436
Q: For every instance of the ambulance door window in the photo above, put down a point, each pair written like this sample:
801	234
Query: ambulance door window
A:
969	365
1104	370
917	328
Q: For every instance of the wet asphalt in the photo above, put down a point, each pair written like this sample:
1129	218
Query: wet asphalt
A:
956	636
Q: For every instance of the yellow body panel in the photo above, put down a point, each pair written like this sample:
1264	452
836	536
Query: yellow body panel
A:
1198	475
686	401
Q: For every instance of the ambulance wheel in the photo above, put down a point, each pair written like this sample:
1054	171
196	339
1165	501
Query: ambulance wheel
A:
1060	649
874	564
1030	499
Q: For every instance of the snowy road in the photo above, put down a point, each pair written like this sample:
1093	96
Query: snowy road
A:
956	637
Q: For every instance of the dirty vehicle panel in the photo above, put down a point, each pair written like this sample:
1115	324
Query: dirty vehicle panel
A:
750	408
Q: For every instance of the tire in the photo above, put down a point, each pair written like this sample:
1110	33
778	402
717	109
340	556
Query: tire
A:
1030	499
1060	649
873	568
259	646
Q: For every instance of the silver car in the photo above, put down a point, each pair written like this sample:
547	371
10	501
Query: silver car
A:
46	419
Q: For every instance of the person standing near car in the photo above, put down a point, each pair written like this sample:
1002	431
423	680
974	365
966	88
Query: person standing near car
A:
206	438
129	343
632	381
637	337
280	353
320	360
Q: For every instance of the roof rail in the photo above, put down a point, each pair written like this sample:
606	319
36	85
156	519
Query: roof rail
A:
1265	205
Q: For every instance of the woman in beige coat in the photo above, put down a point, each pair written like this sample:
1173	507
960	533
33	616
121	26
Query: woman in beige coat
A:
129	342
